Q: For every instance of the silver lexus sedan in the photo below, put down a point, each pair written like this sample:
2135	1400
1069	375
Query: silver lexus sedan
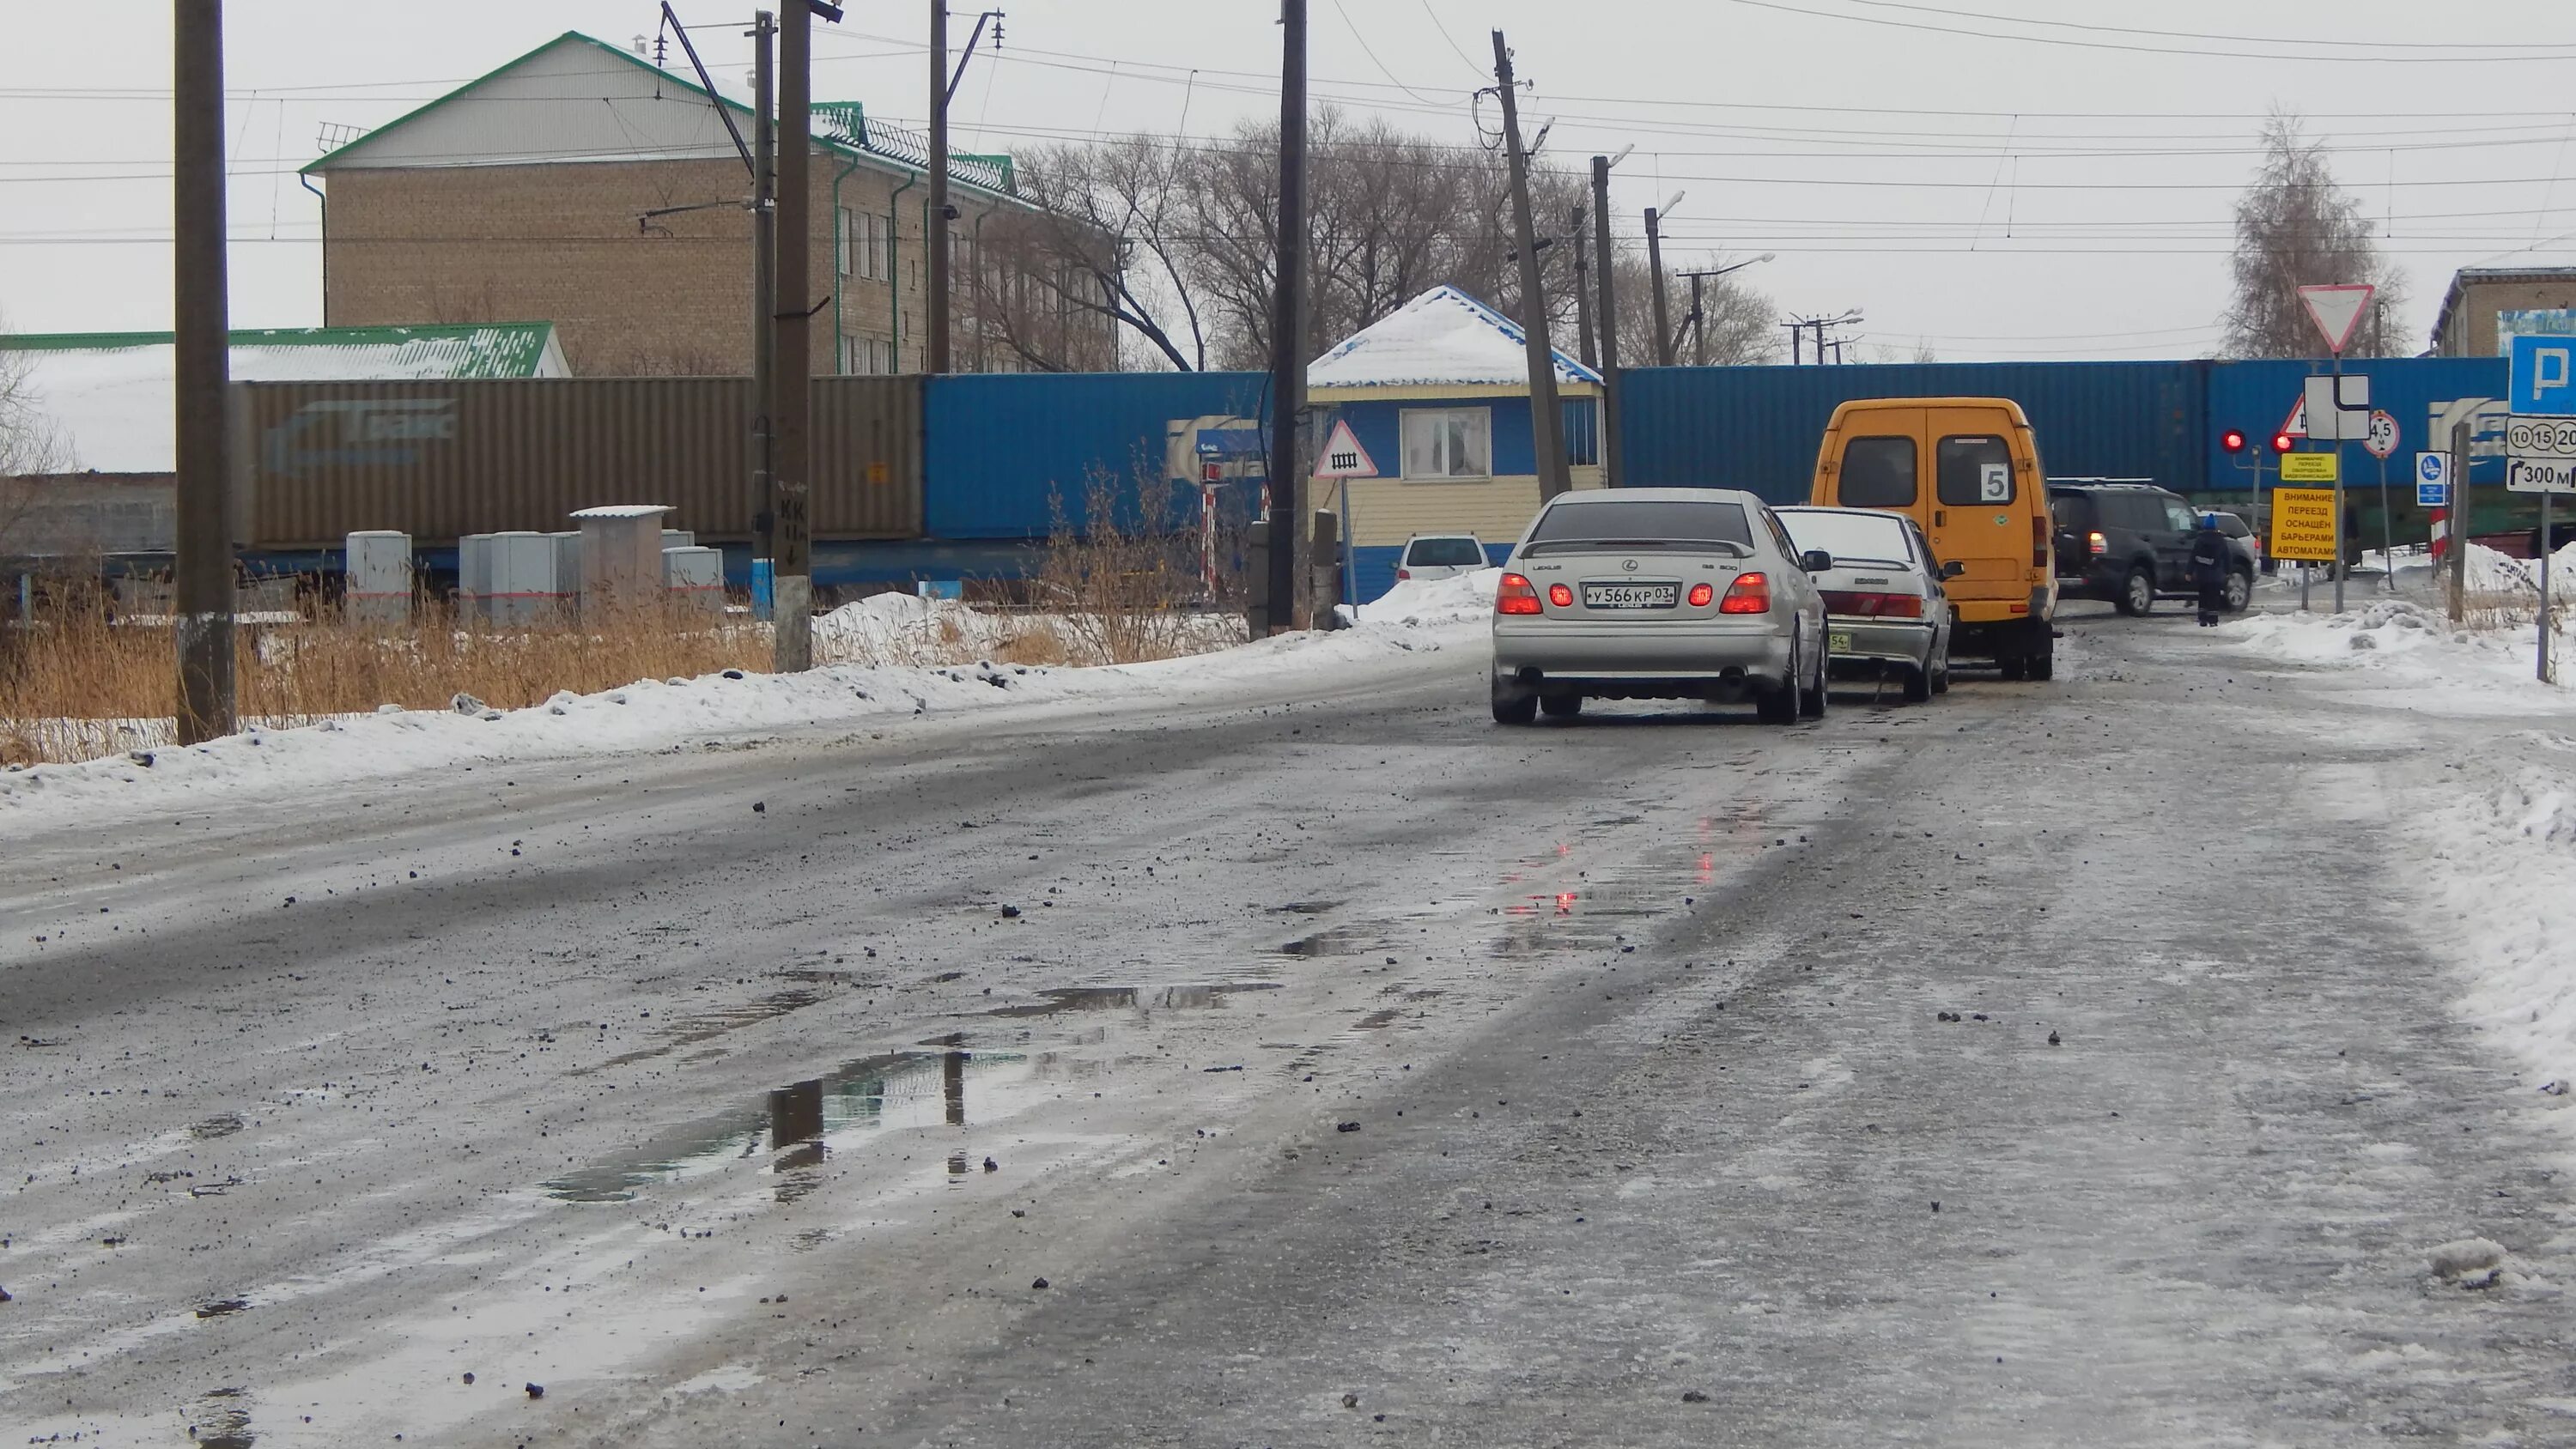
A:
1658	593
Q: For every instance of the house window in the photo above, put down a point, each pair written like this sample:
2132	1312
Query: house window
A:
880	230
1582	431
849	239
1448	443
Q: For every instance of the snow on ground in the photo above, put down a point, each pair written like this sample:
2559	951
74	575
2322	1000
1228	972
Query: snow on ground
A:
2495	841
2414	651
656	715
894	628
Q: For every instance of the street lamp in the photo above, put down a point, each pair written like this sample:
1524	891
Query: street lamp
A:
1697	321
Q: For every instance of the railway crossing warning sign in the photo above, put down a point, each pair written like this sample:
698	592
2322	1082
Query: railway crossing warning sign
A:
2303	522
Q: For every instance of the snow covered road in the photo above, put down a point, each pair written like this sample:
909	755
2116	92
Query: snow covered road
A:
1346	1069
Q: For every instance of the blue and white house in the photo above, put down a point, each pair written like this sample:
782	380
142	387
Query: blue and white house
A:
1438	395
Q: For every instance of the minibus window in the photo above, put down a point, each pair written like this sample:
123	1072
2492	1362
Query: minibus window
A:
1877	473
1973	472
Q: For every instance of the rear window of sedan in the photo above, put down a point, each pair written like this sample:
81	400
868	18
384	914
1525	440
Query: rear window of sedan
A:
1644	522
1860	536
1434	553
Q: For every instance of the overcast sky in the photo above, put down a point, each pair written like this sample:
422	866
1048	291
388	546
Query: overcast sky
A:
1988	196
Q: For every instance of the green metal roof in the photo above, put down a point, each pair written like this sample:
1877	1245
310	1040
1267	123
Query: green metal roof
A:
483	349
854	146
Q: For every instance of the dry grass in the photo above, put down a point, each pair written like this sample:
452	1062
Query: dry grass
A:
1121	592
75	685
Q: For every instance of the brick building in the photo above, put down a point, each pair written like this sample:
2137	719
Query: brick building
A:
582	184
2484	304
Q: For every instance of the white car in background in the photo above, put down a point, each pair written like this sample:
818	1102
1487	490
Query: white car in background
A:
1885	611
1428	557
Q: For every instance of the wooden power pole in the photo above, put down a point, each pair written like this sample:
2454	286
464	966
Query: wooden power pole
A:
792	586
202	320
935	233
1287	468
1607	313
1546	422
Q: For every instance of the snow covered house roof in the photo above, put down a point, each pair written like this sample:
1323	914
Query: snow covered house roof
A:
577	98
1443	337
112	396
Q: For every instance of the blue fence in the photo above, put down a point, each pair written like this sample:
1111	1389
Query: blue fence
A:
1758	427
1003	450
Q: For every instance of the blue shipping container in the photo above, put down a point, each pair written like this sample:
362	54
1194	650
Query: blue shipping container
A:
1759	427
1004	449
2421	393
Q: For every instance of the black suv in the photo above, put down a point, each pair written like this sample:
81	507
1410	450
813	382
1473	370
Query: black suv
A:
2129	544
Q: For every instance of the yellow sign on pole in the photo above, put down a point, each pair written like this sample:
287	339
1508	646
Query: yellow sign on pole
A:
2309	467
2303	520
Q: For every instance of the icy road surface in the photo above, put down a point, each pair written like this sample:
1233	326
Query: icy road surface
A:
2053	1065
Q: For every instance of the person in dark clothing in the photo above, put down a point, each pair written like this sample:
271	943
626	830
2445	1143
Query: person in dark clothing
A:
2211	556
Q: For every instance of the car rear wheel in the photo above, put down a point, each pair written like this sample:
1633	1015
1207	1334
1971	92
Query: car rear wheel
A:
1918	684
1560	706
2137	592
1941	676
2014	666
1811	701
2239	591
1514	706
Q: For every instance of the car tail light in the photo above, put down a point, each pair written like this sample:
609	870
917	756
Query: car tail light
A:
1402	574
1874	606
1700	594
1515	595
2038	542
1560	595
1749	594
2097	543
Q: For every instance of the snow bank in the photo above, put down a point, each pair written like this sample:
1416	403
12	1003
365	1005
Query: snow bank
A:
2413	650
676	713
2504	882
1438	603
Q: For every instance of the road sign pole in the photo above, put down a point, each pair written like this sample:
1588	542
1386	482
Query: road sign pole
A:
2458	536
2387	539
2340	566
2544	585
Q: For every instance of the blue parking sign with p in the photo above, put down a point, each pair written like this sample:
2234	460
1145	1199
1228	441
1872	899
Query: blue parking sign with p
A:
2544	376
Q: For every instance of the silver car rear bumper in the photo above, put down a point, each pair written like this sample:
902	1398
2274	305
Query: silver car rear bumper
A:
1881	639
1535	651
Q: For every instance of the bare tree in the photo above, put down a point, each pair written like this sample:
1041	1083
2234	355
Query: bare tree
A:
2295	226
1175	241
31	446
1111	238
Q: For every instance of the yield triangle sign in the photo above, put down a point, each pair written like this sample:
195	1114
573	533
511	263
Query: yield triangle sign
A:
2336	309
2296	424
1343	457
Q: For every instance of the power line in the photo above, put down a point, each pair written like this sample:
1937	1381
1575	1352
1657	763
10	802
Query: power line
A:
2134	49
2193	35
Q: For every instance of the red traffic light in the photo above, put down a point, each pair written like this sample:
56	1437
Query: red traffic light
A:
2232	440
2283	442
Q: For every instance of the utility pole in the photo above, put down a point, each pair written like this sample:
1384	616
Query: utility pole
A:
1547	423
791	483
1797	343
1612	453
1698	323
202	319
935	235
1655	264
1288	521
1582	295
2459	532
764	318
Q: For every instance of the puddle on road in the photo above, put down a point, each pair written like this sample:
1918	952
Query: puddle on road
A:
1340	941
223	1308
223	1126
1131	998
1305	908
708	1025
796	1125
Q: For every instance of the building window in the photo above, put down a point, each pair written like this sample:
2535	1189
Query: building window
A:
848	238
1582	431
1448	443
880	233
